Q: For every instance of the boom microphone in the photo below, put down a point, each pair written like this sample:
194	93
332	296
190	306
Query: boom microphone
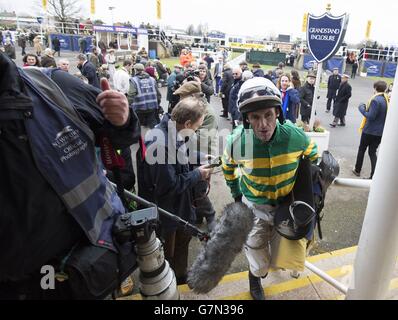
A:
217	255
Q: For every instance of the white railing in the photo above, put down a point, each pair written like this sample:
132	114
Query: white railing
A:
340	182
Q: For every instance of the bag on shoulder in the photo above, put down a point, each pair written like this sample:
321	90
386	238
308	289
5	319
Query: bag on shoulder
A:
95	272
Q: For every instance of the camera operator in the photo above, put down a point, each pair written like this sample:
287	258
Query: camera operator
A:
168	182
189	75
171	83
55	199
206	136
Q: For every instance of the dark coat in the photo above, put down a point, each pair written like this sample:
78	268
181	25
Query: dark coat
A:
227	82
333	85
56	44
306	99
258	73
233	99
88	70
342	98
168	185
9	50
207	88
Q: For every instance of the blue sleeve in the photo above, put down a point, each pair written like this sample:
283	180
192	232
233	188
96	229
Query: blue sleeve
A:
294	96
373	111
169	183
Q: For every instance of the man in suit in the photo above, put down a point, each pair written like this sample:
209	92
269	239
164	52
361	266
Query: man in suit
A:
341	105
88	70
333	85
218	73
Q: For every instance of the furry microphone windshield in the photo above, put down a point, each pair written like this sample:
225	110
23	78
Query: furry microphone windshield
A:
227	240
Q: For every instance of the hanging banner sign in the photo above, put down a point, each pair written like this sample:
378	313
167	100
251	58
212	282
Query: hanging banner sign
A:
325	35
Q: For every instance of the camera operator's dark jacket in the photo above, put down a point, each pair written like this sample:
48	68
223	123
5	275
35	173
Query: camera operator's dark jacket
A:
168	185
37	221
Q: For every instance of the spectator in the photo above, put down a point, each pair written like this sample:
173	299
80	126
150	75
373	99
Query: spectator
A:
354	69
290	98
31	60
209	60
88	70
48	61
110	59
233	95
257	71
226	86
333	85
244	66
372	127
63	64
57	45
37	45
22	43
205	82
307	97
171	81
341	104
218	74
296	79
9	49
144	97
121	79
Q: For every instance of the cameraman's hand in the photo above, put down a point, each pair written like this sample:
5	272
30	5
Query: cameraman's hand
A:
205	172
198	79
114	104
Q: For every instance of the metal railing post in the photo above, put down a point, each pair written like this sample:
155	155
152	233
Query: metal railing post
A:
378	243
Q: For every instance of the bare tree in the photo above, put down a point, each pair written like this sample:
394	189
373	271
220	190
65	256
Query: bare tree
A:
191	30
64	10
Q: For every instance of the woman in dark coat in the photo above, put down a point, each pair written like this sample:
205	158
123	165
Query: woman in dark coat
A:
341	104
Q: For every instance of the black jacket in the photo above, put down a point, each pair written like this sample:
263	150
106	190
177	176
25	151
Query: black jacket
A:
306	99
343	96
333	85
207	88
258	73
88	70
167	185
56	44
227	82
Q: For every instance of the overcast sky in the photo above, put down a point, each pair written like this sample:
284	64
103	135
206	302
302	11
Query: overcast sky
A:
246	17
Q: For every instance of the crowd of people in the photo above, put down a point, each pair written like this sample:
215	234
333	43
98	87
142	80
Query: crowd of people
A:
266	104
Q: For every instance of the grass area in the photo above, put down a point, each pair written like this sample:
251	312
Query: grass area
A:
236	54
170	62
374	79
